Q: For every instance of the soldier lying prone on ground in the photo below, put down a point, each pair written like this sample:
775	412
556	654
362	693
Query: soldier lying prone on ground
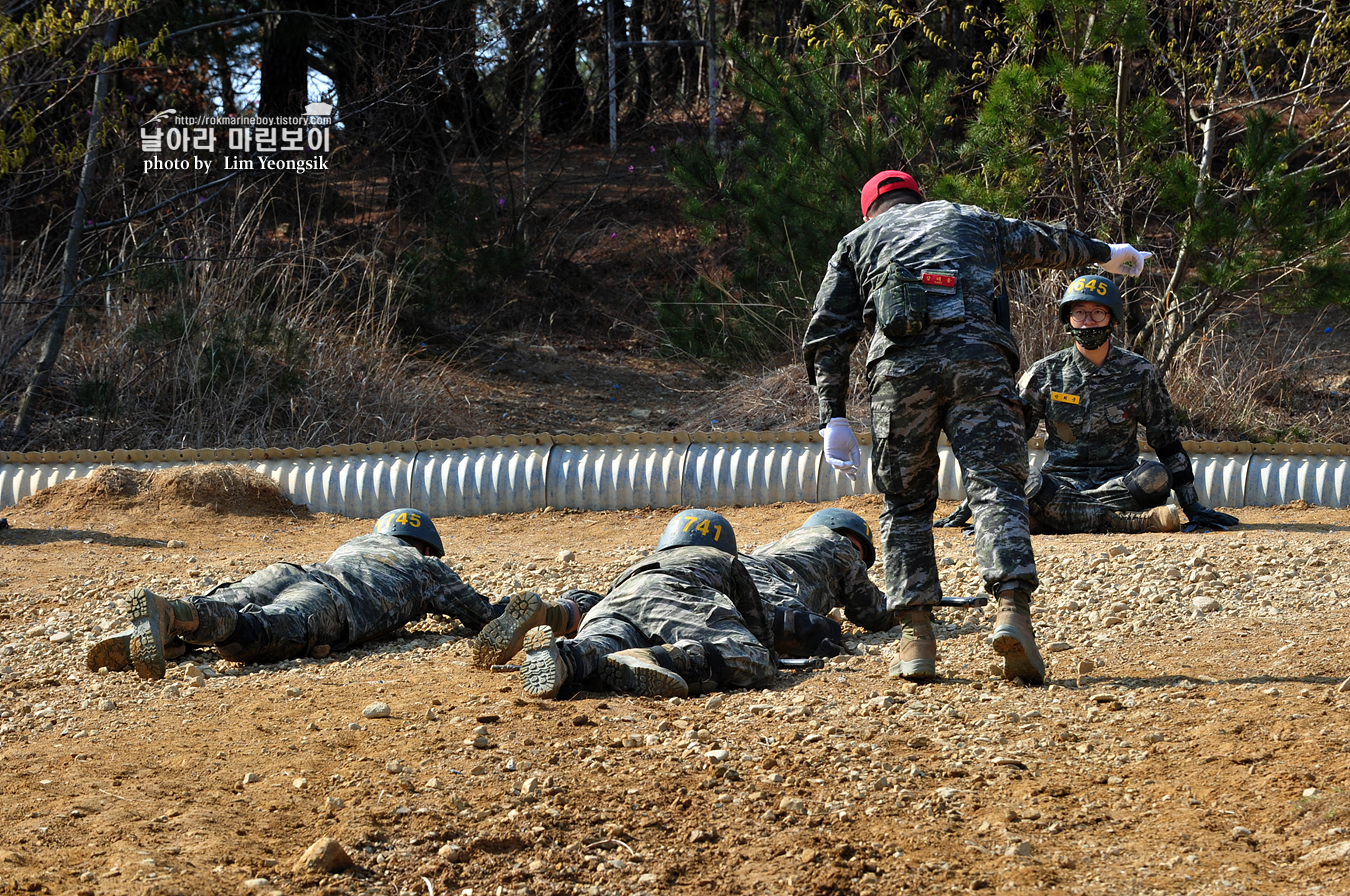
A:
370	586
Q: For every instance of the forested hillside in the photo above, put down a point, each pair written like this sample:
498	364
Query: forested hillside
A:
488	236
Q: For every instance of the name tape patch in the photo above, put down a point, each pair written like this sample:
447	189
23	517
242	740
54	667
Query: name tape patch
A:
1065	397
944	279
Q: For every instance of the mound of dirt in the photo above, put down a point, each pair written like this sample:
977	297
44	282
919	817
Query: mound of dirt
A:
220	488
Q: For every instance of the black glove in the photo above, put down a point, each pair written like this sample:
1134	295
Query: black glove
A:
960	518
1202	519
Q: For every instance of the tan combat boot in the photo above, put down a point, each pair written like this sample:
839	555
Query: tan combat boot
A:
153	620
1164	518
503	637
1014	640
918	646
548	671
114	652
648	672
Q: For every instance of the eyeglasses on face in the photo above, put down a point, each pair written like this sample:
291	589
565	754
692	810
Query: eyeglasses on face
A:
1095	315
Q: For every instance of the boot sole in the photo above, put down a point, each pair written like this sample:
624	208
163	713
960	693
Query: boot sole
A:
1017	663
913	669
113	654
541	674
503	637
633	676
147	645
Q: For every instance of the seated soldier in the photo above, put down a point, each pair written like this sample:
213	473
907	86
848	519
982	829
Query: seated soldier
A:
685	620
812	570
370	586
1093	397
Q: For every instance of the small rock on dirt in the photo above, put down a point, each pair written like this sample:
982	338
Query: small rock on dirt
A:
324	854
377	710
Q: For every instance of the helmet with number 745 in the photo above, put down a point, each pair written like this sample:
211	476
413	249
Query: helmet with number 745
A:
413	526
1092	288
698	527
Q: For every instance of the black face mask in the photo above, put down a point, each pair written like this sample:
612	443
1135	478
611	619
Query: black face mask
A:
1091	337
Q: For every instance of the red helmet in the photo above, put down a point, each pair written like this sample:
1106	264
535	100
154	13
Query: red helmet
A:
883	183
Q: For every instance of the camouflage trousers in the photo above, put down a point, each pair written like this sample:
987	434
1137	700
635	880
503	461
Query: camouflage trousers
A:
295	611
634	616
1064	503
966	391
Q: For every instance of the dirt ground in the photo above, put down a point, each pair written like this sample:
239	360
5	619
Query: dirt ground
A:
1193	738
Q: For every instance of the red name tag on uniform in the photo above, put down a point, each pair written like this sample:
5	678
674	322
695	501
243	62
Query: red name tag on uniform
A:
939	278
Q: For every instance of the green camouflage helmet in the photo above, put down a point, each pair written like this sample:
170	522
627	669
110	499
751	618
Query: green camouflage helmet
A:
699	527
411	525
1093	288
846	522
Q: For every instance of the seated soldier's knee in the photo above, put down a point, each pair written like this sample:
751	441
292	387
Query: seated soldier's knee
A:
1149	484
1040	489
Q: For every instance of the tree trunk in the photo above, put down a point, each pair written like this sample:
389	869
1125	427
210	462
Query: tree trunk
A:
563	103
520	67
228	104
284	61
471	109
51	349
642	90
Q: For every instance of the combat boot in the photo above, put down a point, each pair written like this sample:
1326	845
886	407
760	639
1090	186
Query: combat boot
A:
648	671
153	620
114	652
1013	638
1163	518
918	646
547	672
503	637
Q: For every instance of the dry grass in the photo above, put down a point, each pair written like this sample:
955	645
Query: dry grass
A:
238	335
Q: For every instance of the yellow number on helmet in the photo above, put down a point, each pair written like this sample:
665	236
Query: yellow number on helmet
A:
718	535
689	521
702	527
414	521
402	519
1101	287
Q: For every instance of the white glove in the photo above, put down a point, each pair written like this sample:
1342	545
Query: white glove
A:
841	447
1125	259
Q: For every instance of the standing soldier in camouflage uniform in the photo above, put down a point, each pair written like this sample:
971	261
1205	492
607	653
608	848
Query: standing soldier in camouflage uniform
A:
921	276
370	586
1093	398
686	620
811	571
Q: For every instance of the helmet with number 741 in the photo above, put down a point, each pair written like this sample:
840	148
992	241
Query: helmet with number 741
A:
698	527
